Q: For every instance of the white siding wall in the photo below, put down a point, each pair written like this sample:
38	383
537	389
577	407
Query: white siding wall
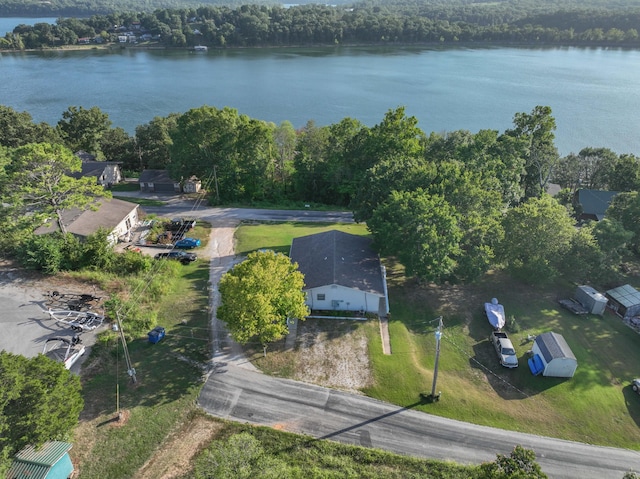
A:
560	368
124	226
342	299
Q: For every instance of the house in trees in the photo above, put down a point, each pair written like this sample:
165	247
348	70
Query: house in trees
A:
106	173
592	204
50	461
341	272
158	181
116	216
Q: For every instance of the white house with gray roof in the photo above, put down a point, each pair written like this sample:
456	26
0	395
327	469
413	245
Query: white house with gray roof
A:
341	272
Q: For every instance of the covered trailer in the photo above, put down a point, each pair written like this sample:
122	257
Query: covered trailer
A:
591	299
552	357
624	301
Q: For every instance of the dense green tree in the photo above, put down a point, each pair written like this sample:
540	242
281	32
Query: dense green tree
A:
259	295
537	234
284	138
17	129
237	147
39	401
153	142
625	174
310	161
421	230
536	129
41	188
83	129
596	167
117	145
625	208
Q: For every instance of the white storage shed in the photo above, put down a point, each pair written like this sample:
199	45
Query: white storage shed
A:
591	299
552	356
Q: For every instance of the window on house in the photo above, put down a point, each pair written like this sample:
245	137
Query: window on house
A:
320	297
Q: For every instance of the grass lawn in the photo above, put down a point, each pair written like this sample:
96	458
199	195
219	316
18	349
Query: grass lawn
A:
168	381
140	201
596	406
277	236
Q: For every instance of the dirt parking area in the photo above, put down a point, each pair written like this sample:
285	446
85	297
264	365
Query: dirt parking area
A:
24	323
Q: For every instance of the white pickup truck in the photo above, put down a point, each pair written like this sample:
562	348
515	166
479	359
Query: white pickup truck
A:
504	348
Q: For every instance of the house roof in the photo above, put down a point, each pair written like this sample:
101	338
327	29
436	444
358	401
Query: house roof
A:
553	346
625	295
93	168
334	257
31	463
155	176
86	222
595	202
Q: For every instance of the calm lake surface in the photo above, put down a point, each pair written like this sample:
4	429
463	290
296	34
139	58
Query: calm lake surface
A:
594	93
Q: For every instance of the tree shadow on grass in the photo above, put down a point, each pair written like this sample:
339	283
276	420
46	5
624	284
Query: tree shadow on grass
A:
632	401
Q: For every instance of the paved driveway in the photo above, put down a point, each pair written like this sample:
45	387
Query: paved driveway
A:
24	327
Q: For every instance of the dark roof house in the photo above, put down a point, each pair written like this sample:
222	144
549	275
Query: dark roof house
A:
107	173
342	272
50	461
158	181
624	301
593	203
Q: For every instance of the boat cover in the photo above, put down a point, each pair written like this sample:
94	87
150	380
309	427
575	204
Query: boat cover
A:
495	313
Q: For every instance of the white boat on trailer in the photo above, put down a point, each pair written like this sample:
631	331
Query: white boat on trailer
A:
77	320
495	314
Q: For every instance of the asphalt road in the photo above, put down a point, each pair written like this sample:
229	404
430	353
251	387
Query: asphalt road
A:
238	394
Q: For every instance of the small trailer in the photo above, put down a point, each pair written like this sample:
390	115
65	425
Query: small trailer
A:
71	301
78	320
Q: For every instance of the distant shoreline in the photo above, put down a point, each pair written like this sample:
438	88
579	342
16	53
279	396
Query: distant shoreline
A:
439	45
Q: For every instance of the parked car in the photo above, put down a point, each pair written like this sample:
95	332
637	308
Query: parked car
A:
181	224
635	385
182	256
187	243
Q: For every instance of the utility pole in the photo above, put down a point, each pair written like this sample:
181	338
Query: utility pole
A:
215	178
435	368
433	397
130	369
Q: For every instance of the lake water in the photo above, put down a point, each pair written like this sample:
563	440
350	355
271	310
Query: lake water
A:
594	93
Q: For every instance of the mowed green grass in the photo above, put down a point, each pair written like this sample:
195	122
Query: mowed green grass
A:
277	236
168	382
596	406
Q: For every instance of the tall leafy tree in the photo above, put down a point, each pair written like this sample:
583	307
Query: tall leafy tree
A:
40	186
421	230
309	162
625	174
625	209
259	295
236	148
18	128
153	143
117	145
82	129
537	234
39	401
284	138
536	130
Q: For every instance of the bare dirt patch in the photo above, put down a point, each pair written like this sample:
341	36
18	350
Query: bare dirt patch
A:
175	456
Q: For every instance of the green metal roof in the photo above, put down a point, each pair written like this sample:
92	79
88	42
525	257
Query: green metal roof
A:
35	463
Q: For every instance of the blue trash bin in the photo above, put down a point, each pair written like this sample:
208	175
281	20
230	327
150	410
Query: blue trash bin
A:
156	334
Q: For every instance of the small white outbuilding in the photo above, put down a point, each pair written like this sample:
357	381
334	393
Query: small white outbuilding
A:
552	356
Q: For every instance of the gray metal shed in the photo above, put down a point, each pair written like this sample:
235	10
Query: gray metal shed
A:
624	301
591	299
